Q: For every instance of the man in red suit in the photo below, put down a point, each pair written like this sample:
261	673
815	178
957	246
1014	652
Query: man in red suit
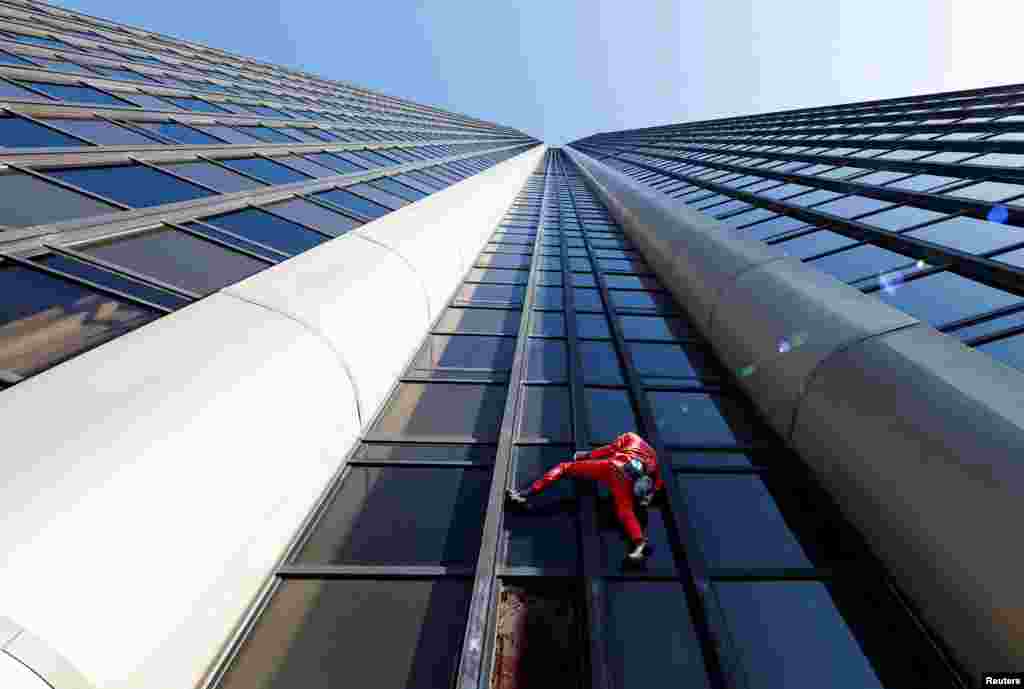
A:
628	467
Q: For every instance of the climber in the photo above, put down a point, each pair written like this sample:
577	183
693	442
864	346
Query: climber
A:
628	467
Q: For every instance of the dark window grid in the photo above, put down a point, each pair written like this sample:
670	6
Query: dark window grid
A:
707	617
103	289
991	273
212	233
980	318
977	172
123	103
46	125
995	336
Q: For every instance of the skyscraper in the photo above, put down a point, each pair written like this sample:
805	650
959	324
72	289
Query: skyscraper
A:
274	346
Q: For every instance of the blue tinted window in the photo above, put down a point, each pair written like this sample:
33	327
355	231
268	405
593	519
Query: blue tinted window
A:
149	102
688	418
334	162
268	229
63	66
600	364
266	170
859	262
103	132
546	535
944	297
123	74
267	134
309	167
108	279
653	328
178	132
228	134
790	634
610	412
9	90
212	232
739	523
45	319
77	94
349	201
9	59
212	176
900	218
669	363
970	235
814	243
313	215
133	185
37	40
194	104
17	133
398	189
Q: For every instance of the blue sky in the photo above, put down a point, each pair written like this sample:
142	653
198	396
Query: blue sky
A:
563	69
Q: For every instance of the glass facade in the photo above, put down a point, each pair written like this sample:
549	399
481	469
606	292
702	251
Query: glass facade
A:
753	564
918	201
160	132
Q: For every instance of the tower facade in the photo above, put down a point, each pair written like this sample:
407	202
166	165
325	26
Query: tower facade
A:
273	347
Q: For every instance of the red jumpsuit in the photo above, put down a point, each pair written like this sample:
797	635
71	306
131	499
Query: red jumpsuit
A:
605	465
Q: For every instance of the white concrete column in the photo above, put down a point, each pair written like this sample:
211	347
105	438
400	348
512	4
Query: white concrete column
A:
149	486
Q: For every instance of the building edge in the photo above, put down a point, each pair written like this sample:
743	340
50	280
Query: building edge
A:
917	438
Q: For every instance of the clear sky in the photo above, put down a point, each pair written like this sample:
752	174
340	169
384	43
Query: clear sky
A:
564	69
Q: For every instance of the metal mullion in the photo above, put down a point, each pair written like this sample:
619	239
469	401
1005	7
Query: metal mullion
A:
596	594
1001	276
381	463
42	268
721	658
127	272
980	318
476	657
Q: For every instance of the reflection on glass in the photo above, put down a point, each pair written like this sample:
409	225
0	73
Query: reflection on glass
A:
44	319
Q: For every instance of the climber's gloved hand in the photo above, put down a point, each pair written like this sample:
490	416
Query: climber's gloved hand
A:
577	456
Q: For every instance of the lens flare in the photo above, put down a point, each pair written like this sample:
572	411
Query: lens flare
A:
999	214
890	281
784	346
747	371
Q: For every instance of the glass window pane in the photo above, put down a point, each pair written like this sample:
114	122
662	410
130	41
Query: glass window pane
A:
740	524
149	102
593	325
503	261
587	300
213	176
499	276
177	258
382	197
653	328
266	134
711	460
313	215
547	360
318	634
348	201
548	323
75	94
815	243
600	364
44	319
483	321
178	132
900	218
228	134
103	133
425	409
334	162
970	235
466	352
862	261
406	192
668	364
9	90
194	104
791	634
944	297
16	132
669	648
546	534
490	294
852	206
610	414
693	418
268	229
307	166
548	298
102	276
264	169
545	414
133	185
27	200
402	516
